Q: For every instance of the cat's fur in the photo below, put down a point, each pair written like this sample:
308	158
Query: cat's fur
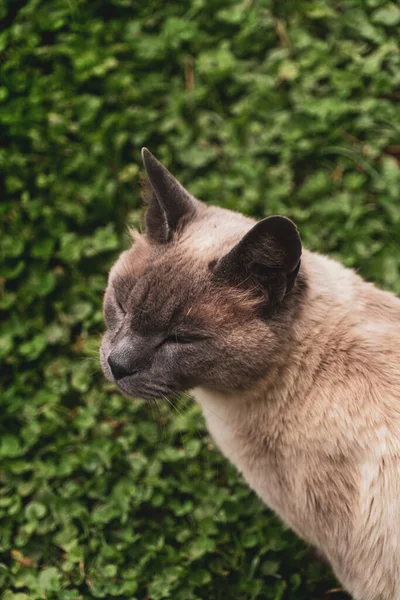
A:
296	367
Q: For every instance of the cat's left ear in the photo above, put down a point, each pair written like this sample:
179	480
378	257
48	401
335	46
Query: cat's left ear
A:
169	205
267	257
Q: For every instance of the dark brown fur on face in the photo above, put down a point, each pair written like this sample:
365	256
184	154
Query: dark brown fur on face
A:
197	297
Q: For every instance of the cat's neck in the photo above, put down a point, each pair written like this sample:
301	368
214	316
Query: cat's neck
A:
316	334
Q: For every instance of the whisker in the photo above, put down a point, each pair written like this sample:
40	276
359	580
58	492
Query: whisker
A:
153	405
209	409
155	409
171	403
178	397
180	431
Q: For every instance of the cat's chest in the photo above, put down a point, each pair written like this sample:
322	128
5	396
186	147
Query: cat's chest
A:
245	437
256	449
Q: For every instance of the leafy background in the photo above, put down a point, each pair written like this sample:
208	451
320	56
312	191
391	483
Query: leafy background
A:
265	107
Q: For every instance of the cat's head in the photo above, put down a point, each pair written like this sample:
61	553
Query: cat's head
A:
199	299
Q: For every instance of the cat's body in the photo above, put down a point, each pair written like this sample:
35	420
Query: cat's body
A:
318	438
296	368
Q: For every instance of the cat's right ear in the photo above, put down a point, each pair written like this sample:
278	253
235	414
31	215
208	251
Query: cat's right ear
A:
170	205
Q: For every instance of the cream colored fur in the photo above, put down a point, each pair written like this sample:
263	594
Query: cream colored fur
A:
318	439
318	435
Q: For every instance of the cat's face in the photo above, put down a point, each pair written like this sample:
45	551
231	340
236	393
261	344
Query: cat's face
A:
192	303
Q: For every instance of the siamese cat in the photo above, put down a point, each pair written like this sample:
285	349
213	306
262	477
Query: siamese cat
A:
294	359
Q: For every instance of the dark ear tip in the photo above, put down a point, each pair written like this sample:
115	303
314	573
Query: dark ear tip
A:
286	236
282	227
146	155
282	224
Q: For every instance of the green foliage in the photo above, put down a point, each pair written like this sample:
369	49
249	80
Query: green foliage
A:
265	107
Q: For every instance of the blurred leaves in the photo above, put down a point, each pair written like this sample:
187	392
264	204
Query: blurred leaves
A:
262	107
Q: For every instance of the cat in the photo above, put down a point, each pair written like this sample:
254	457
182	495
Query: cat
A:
294	359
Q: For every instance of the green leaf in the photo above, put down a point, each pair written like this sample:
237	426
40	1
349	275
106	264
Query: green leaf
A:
33	348
387	15
49	579
9	446
200	577
35	510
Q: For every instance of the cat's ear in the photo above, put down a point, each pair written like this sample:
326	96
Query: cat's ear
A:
169	202
267	257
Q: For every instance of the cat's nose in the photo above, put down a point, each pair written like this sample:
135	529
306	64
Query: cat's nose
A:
120	368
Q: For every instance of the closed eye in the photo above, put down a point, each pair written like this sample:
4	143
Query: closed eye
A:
121	308
184	338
